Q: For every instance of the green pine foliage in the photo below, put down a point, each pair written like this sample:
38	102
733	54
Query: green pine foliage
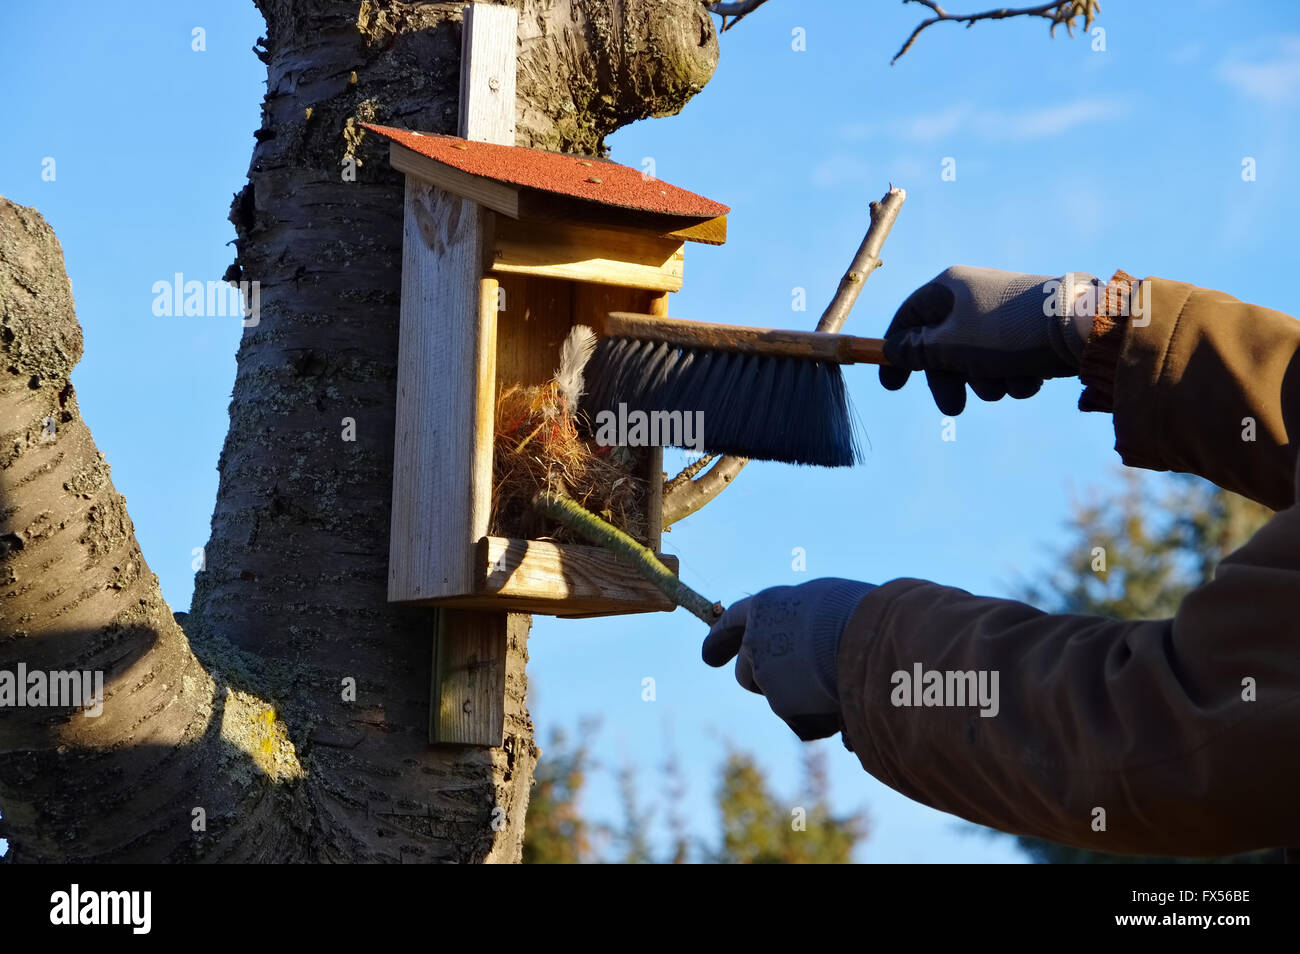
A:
757	827
556	832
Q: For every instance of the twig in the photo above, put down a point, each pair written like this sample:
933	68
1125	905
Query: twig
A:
689	472
1058	12
690	497
682	500
569	513
883	214
736	9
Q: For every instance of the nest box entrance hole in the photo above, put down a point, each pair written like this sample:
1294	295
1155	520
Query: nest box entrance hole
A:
534	316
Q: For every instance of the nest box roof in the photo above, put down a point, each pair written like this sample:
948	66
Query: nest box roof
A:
567	177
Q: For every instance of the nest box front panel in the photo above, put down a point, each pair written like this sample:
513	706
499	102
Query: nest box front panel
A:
442	449
468	332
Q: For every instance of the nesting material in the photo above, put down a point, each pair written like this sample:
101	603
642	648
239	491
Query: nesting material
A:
542	444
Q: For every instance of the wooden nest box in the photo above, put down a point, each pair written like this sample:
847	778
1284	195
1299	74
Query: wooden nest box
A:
504	250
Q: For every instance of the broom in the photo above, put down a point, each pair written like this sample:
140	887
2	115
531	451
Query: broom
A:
759	393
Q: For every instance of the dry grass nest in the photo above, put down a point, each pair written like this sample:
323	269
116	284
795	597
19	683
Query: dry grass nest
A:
540	446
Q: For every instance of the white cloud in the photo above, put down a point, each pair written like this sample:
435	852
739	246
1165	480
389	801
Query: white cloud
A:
1273	78
1045	122
1056	120
1185	54
856	132
838	169
912	168
928	128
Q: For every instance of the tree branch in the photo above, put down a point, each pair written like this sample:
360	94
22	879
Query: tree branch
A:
688	472
568	512
736	9
681	499
866	261
1058	12
694	494
153	733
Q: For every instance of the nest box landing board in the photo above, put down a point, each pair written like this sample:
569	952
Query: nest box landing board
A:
505	249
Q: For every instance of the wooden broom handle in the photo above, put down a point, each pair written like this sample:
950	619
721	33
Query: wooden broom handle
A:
815	345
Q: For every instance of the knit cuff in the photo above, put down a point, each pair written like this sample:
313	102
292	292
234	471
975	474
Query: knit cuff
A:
1065	337
1101	352
830	617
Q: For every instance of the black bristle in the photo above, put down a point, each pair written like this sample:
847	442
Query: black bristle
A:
765	408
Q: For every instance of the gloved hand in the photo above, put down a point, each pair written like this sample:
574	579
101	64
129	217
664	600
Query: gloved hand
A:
786	640
1000	332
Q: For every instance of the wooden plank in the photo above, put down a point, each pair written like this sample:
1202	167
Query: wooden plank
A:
494	195
710	232
779	342
438	506
625	258
654	505
571	578
488	46
468	684
540	311
560	609
480	491
592	303
538	315
536	204
654	517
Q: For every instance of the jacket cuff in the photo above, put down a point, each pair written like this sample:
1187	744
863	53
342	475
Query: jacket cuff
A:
859	641
1102	350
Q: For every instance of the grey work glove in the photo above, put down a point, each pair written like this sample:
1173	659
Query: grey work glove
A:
1000	332
785	640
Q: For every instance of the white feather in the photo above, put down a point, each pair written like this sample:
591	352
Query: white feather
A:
574	354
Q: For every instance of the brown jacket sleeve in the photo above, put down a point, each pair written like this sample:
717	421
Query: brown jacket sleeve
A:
1206	384
1184	732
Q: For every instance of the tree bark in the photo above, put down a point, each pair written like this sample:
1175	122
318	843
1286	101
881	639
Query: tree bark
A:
292	602
76	593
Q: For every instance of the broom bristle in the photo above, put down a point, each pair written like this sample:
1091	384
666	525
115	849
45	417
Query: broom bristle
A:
762	407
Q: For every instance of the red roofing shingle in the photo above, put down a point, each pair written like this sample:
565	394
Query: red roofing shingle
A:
596	180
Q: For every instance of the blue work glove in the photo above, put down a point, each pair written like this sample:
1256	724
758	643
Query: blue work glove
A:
785	641
1000	332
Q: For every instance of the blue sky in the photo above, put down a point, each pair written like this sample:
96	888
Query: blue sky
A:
1066	157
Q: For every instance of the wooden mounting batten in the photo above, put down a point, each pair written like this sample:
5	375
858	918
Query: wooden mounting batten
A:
443	451
467	241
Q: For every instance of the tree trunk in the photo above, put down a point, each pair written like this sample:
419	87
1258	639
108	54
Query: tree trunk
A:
292	603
